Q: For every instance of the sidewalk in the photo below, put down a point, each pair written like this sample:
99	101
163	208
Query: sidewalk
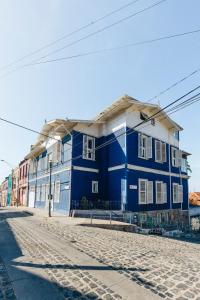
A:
65	220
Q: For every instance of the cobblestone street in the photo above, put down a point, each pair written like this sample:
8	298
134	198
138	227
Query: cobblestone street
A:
148	267
167	267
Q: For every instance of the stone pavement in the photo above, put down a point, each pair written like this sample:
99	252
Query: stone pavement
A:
79	260
169	268
6	289
73	273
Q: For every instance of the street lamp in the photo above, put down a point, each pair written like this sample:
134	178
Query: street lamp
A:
50	195
6	162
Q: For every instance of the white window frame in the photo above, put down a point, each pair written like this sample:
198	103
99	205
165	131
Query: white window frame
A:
148	192
95	187
163	154
57	191
47	192
184	165
176	156
87	152
38	193
43	192
178	194
144	149
163	192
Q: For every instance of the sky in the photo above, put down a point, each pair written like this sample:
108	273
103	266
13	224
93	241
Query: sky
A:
81	87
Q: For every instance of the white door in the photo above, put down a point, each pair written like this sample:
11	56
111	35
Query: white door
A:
31	201
123	194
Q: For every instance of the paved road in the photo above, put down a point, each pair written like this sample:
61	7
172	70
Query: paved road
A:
41	263
52	259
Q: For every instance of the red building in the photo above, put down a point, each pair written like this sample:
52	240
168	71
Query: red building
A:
23	182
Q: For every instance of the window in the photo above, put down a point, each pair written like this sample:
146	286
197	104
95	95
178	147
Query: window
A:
52	190
38	193
160	151
49	158
145	191
176	135
184	165
47	193
143	116
177	193
95	187
57	152
88	147
67	150
43	190
144	146
161	192
57	191
176	157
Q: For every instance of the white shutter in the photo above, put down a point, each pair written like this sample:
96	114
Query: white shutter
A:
47	193
158	192
158	150
164	192
175	193
57	191
54	152
149	191
139	145
149	147
180	193
58	152
164	152
85	146
142	191
178	156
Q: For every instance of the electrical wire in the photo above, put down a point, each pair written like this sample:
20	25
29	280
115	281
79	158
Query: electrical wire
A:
68	35
60	59
88	36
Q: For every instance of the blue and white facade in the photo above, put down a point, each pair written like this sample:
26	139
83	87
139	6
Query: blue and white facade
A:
111	162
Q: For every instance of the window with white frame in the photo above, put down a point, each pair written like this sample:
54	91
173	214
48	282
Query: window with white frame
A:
43	190
184	165
57	191
177	193
95	187
161	192
144	146
52	190
67	150
56	152
88	147
47	193
145	191
160	151
176	155
38	193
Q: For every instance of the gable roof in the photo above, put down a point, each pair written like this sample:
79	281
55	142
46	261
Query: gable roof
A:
62	126
126	101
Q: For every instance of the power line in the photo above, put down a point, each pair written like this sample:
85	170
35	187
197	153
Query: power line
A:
131	130
27	128
175	84
115	48
88	36
68	35
151	117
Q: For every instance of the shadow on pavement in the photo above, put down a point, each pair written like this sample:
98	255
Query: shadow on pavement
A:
78	267
18	278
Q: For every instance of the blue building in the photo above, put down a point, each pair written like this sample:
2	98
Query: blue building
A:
111	162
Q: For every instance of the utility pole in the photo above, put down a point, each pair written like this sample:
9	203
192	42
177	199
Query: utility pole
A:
50	195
